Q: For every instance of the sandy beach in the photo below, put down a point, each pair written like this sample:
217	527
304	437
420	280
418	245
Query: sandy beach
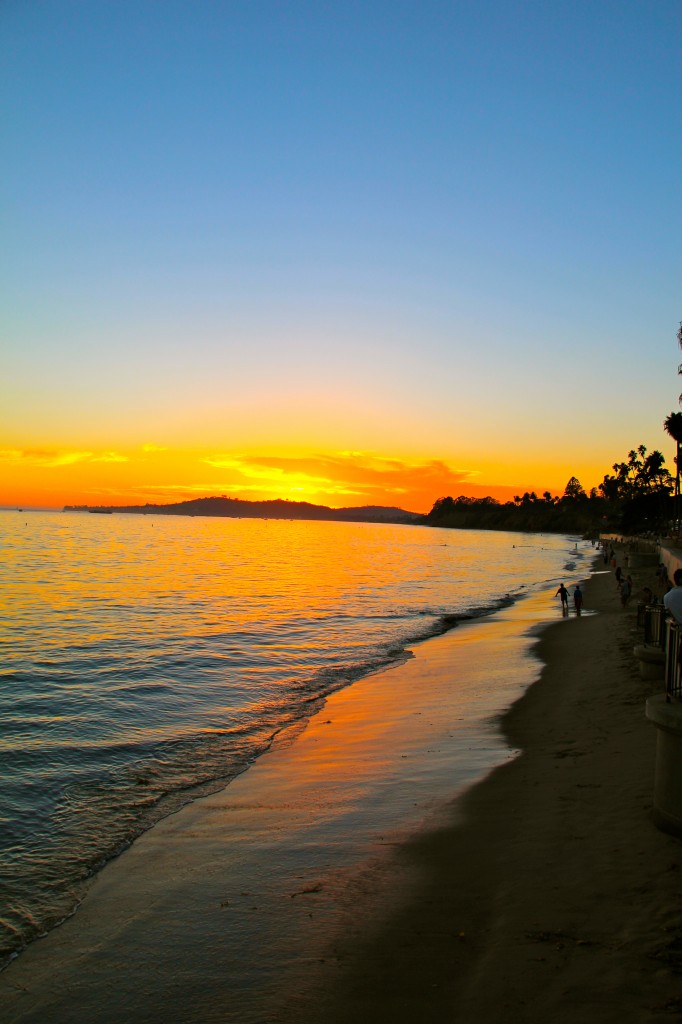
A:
554	897
356	872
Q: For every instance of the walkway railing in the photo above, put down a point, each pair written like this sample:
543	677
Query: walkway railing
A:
654	625
673	669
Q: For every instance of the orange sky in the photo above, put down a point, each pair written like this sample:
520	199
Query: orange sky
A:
358	259
157	474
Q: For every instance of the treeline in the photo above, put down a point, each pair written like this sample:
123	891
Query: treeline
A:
529	513
635	499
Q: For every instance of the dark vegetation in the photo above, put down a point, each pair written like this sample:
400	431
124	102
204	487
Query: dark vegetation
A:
640	497
635	499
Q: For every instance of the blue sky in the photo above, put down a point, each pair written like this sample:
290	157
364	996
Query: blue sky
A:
435	230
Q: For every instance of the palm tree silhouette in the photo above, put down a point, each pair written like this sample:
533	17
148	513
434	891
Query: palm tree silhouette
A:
673	427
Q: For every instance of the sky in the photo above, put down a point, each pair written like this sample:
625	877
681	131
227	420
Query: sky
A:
349	253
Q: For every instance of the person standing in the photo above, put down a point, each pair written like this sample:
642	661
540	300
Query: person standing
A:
578	599
564	599
673	599
625	590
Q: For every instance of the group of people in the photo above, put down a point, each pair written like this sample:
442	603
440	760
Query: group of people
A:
672	592
577	599
624	584
672	599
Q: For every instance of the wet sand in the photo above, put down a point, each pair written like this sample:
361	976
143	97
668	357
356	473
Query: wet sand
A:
554	898
354	873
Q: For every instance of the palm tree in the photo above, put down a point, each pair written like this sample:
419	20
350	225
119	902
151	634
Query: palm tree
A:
673	427
655	475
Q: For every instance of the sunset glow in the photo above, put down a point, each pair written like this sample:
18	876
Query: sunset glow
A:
333	255
156	474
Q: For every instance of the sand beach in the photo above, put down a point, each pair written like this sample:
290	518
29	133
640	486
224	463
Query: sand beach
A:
354	874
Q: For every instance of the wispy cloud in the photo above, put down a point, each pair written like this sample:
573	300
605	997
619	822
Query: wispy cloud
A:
154	473
59	457
363	476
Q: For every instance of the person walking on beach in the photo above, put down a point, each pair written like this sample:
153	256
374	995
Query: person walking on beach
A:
564	599
625	590
578	600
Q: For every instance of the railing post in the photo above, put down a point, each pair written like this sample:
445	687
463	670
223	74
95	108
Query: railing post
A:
651	654
654	625
665	711
673	671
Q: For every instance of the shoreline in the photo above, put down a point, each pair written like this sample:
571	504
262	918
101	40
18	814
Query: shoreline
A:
552	897
375	936
176	801
331	798
150	720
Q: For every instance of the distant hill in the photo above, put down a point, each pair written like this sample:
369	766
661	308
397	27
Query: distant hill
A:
236	508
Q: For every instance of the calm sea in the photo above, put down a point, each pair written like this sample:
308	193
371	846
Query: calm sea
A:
146	660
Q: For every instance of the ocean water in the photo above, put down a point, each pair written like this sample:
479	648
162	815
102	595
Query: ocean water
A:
147	660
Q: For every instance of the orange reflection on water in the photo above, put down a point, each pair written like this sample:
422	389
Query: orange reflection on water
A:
400	744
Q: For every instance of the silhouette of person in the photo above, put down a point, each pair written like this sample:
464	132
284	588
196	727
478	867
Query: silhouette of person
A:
578	600
564	599
673	599
625	590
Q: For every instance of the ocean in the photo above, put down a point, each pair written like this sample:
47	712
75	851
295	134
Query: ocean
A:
149	660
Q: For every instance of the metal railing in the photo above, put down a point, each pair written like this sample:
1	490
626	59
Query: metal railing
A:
654	625
673	669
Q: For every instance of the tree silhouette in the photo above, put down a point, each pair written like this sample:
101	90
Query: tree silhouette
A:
643	473
673	427
574	490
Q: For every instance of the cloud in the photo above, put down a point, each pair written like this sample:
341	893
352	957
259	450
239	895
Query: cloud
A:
359	468
364	476
56	458
109	457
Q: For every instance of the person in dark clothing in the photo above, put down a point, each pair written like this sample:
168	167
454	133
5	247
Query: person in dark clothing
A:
578	600
564	598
